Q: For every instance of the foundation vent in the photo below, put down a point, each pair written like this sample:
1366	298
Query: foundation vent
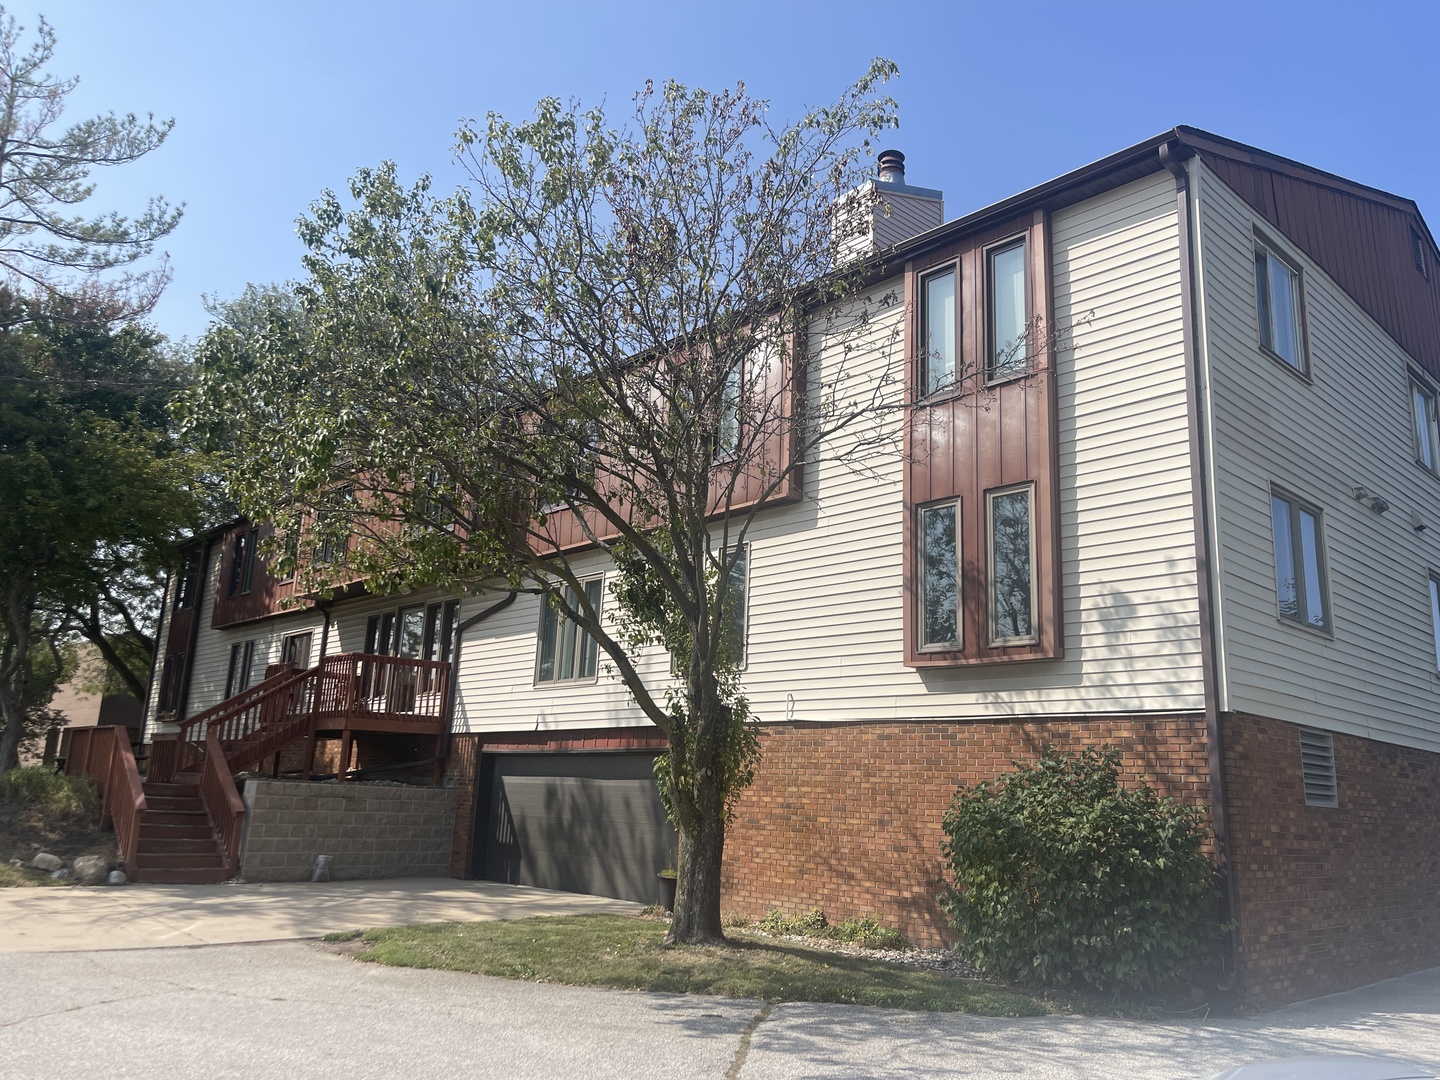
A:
1317	764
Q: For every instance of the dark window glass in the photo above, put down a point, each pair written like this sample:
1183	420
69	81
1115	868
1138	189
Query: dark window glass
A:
940	577
1012	579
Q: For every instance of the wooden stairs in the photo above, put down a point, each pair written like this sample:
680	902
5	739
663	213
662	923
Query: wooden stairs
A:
177	843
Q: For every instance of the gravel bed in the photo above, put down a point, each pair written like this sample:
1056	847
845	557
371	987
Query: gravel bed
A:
946	962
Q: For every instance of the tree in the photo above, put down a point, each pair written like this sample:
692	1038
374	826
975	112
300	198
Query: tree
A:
96	491
604	343
48	251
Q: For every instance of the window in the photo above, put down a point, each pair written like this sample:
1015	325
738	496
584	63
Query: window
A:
334	545
1427	430
242	660
1010	553
727	434
1299	562
1278	299
440	630
187	582
170	683
1317	768
939	549
566	651
1435	615
242	566
379	634
1008	314
295	649
1417	252
737	604
938	321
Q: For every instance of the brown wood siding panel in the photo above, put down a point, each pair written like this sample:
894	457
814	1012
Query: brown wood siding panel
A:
1362	243
981	438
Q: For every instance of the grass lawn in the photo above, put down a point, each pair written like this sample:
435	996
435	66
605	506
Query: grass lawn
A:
625	952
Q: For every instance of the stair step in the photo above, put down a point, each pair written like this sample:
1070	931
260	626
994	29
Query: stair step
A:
151	831
174	802
177	817
176	845
146	860
178	876
171	790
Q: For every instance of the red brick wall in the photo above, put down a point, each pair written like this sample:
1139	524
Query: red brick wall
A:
1330	898
847	817
460	773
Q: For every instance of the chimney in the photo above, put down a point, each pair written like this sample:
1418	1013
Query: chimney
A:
884	212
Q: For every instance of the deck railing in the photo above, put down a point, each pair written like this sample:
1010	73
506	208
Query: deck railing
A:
395	688
222	801
103	756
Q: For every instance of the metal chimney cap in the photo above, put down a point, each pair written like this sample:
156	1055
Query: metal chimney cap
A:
892	166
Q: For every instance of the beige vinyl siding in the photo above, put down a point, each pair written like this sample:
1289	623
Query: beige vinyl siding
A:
1350	426
825	618
162	634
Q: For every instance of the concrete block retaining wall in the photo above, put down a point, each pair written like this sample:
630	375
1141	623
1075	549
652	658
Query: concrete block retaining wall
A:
372	831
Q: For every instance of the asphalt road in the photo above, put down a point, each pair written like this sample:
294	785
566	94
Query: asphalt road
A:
293	1011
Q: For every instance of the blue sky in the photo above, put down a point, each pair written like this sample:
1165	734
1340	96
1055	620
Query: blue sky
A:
274	102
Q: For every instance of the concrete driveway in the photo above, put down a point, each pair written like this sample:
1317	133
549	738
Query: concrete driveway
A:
147	916
294	1011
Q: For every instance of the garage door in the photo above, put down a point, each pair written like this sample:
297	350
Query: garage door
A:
586	823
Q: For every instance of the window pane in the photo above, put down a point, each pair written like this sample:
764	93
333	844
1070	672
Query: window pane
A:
939	331
1007	311
1424	444
588	648
1435	616
1011	585
565	646
549	623
1262	299
1286	584
411	641
1283	313
1310	553
941	560
727	438
735	608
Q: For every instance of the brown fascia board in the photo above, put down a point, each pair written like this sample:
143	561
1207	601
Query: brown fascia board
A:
1122	167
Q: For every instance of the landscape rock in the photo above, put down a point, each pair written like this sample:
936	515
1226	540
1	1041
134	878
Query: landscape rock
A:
62	874
116	877
17	862
46	861
91	869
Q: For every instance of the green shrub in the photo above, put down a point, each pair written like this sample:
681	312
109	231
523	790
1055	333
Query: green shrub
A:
52	792
807	924
869	933
1063	877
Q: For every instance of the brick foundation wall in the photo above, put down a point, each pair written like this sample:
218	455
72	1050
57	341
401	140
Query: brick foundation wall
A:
372	830
460	777
1330	898
846	817
369	750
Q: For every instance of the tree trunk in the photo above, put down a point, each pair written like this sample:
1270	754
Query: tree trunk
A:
12	725
696	920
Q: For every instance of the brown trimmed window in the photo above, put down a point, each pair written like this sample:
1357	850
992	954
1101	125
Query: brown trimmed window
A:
939	328
1010	555
242	562
938	545
1279	300
1007	312
1300	587
170	677
242	663
187	581
1426	422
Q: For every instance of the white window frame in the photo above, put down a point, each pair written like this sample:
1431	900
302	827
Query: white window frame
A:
1296	505
1265	306
562	624
1424	430
1032	638
922	558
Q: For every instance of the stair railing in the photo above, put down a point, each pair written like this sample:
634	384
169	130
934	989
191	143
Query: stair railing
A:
222	800
103	756
236	719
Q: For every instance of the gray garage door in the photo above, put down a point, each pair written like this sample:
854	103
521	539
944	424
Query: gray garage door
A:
587	823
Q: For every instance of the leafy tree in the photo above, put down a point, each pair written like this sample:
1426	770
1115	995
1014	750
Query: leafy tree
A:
603	343
96	491
1064	877
49	250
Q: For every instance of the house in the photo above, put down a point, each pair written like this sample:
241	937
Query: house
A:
1195	517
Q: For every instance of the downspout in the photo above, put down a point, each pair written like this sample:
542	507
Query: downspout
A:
1200	497
324	606
446	734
